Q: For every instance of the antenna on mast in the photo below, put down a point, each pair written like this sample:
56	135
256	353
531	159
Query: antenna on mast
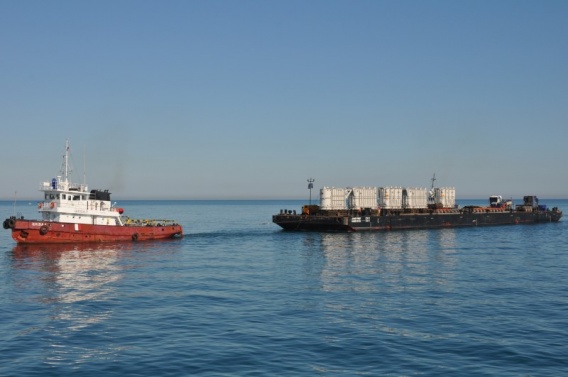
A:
65	164
85	166
66	168
433	179
431	194
66	159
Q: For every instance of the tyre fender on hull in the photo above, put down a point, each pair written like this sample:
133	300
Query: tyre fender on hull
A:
9	223
43	230
135	237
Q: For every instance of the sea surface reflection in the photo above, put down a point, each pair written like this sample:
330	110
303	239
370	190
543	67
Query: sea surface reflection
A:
73	285
393	260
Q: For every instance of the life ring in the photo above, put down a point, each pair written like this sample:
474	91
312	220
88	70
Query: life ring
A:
52	205
43	230
135	237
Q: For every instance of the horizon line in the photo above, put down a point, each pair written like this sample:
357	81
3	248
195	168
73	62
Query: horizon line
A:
241	199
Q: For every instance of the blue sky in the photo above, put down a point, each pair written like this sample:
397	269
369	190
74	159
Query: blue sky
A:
248	99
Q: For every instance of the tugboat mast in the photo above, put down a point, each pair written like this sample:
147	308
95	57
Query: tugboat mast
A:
65	166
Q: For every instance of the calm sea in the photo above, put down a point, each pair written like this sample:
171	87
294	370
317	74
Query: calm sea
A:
238	297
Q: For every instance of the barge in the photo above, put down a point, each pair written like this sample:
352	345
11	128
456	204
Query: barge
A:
396	208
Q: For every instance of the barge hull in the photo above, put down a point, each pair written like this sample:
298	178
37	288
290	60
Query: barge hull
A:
330	223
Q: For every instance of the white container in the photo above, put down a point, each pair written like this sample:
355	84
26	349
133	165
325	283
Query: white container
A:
325	198
445	197
362	197
390	197
332	198
414	197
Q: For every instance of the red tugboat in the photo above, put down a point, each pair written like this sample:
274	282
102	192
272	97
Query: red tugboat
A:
70	213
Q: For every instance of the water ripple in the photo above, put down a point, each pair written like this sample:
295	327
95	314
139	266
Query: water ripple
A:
248	299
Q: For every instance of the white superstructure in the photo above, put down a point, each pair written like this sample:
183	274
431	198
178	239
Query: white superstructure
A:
67	202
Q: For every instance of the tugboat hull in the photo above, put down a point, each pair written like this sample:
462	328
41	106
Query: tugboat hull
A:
37	231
